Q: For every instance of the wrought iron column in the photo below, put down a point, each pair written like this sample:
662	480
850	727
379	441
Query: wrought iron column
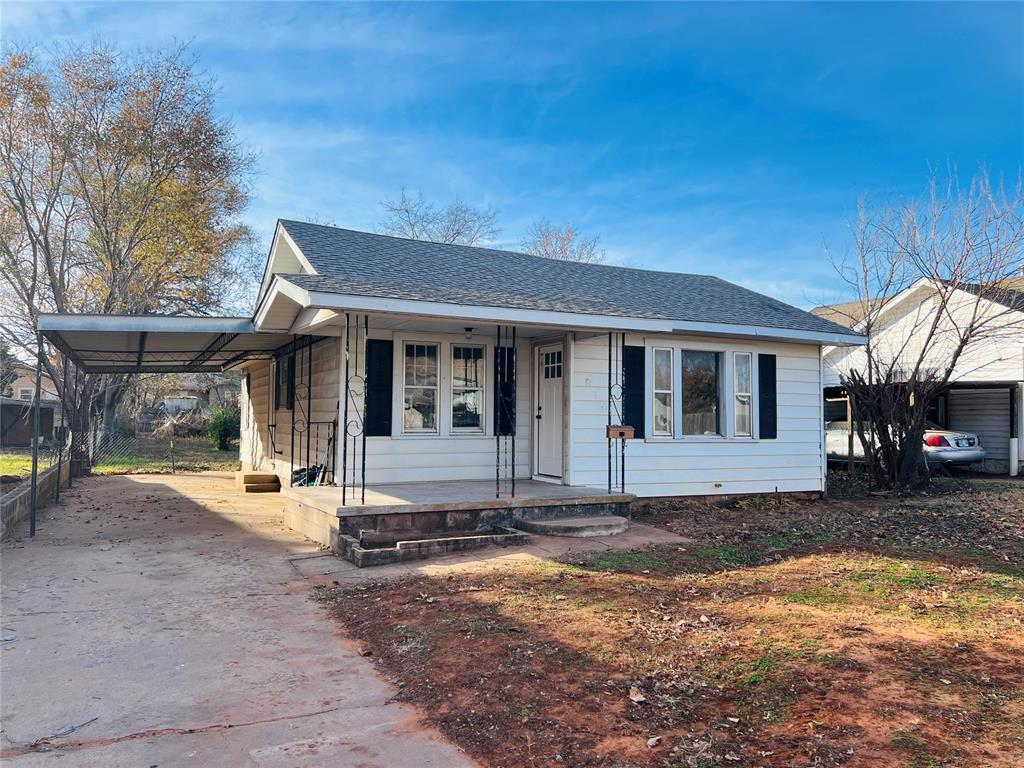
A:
309	405
362	481
512	422
36	426
344	436
291	387
616	405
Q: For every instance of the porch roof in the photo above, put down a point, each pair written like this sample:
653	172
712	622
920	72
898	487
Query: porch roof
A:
157	344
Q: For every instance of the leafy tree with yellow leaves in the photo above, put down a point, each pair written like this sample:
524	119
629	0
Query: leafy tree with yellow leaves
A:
120	192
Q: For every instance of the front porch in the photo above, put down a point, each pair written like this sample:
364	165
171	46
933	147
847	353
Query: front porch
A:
405	521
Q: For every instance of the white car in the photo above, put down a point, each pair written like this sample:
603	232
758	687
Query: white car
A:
942	447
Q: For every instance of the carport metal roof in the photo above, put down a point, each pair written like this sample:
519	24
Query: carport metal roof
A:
158	344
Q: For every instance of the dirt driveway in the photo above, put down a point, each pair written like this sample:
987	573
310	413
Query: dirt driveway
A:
162	620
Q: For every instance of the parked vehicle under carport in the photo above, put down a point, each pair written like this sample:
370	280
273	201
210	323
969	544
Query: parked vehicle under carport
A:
942	447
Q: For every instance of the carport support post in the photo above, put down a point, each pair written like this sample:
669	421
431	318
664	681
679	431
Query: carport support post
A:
1014	463
36	426
71	448
64	430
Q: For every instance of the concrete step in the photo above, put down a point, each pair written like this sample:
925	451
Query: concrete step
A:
244	478
261	487
603	525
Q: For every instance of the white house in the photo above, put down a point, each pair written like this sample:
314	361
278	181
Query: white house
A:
721	385
986	392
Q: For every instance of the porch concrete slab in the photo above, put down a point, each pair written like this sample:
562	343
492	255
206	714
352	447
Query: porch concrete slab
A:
449	496
166	620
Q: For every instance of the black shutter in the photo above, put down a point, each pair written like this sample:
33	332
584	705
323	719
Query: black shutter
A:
767	399
379	368
634	389
276	383
504	391
291	381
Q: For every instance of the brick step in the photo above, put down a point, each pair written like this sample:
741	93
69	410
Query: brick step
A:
261	487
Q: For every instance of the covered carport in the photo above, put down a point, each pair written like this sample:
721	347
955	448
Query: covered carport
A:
136	344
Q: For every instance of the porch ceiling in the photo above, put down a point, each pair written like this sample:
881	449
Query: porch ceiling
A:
158	344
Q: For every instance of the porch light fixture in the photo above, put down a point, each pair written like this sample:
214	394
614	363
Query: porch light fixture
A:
469	334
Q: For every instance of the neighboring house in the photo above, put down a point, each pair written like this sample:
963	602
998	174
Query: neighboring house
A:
16	421
986	392
24	385
722	385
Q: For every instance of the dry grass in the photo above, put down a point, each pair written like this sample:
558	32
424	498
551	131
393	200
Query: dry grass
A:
854	633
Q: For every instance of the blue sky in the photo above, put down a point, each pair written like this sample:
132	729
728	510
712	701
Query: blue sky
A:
732	139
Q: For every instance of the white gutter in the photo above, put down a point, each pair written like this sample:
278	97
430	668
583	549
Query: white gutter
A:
361	303
144	323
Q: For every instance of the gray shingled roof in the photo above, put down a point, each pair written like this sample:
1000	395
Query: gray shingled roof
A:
361	263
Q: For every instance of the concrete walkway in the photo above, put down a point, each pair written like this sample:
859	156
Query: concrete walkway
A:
164	621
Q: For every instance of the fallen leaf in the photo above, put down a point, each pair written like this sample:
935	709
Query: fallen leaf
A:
635	695
653	741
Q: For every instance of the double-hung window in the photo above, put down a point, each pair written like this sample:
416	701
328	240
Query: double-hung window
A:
420	395
467	388
662	410
700	393
741	386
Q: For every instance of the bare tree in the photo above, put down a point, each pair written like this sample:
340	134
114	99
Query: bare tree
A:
562	243
120	191
935	283
458	223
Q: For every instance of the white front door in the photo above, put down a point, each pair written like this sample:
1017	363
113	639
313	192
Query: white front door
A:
549	410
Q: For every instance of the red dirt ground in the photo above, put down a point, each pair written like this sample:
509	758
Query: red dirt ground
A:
857	633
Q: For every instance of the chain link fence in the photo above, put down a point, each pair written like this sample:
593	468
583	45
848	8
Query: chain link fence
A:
173	445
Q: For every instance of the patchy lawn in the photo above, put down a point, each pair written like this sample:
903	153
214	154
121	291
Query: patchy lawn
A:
146	454
854	633
16	465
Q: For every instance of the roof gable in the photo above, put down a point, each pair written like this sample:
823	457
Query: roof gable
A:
351	262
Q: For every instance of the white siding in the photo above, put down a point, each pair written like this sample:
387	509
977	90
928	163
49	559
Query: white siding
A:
701	465
254	439
900	334
986	413
273	452
419	458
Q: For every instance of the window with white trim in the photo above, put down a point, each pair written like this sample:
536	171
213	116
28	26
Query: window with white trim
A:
700	393
662	402
420	388
25	393
742	393
468	388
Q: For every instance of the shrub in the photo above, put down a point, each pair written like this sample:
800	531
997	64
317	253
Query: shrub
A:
225	425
